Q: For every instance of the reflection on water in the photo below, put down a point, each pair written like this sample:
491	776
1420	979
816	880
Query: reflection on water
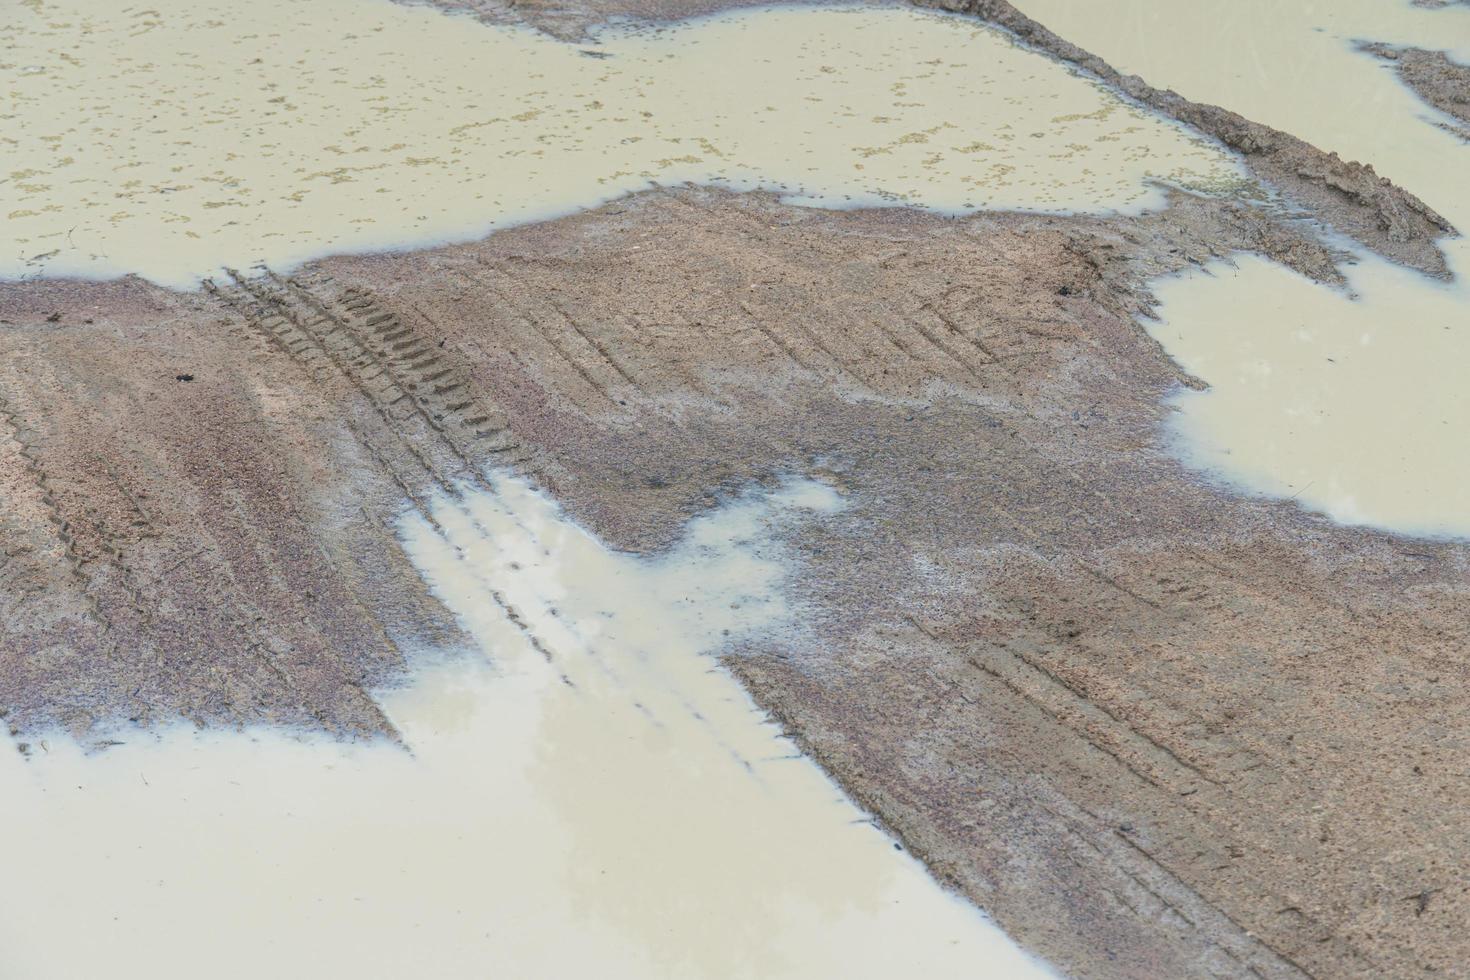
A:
592	796
192	134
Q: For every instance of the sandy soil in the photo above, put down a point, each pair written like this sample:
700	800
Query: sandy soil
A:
1155	728
191	528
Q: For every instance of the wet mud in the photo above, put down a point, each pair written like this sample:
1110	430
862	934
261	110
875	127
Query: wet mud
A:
1346	194
584	792
1154	726
1037	628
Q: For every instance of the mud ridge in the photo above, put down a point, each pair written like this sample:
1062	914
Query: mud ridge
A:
1434	77
1345	194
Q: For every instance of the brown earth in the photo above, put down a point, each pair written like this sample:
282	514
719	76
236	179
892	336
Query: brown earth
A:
218	548
1443	83
1154	727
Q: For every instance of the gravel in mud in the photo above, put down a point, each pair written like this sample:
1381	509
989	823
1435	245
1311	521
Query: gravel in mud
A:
1153	727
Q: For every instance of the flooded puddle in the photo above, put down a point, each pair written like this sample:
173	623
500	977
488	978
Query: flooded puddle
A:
1349	406
1351	403
188	135
601	800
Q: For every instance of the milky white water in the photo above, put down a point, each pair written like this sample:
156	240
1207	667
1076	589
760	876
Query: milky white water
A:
1353	405
620	810
173	138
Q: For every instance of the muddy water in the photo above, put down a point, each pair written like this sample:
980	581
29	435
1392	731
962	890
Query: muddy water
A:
1290	65
172	139
1351	402
601	800
1351	406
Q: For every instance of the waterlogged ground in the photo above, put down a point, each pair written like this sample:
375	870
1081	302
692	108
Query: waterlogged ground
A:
1351	402
1293	66
588	794
1133	773
173	140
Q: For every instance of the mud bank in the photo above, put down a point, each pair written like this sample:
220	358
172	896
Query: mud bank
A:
1340	400
1348	195
1065	674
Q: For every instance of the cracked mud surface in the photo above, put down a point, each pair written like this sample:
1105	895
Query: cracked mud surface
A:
1153	727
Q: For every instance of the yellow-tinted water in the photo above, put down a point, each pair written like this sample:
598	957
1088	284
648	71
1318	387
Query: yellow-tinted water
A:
619	810
174	138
